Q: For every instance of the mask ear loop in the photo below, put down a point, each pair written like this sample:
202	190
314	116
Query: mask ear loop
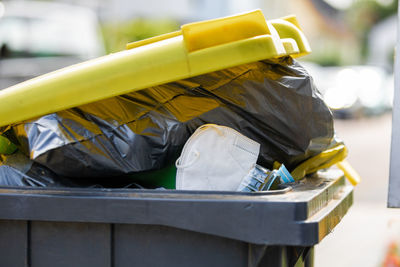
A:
214	126
190	163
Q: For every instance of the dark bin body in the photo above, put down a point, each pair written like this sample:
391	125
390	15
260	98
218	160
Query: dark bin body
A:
127	227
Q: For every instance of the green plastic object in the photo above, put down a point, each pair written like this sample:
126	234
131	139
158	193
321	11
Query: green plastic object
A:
164	177
6	147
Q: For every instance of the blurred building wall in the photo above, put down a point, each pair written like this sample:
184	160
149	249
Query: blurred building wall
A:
382	40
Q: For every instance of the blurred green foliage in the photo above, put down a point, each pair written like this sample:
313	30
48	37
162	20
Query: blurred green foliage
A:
364	14
328	57
118	34
358	20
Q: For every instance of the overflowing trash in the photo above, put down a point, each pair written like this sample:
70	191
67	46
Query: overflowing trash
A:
244	128
272	102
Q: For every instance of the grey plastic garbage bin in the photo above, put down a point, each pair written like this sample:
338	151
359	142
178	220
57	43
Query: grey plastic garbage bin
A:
130	227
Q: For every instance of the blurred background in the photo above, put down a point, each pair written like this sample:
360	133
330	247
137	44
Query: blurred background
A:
352	64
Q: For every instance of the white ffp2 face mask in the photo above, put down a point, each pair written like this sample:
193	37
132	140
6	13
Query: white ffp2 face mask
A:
215	158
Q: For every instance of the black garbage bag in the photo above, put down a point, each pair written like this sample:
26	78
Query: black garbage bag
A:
273	102
18	170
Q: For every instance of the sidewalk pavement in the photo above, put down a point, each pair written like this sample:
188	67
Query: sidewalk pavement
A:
363	236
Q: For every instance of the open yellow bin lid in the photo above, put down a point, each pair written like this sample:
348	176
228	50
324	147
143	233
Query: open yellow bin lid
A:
196	49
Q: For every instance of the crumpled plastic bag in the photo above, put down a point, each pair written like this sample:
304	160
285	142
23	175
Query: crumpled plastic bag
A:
17	170
273	102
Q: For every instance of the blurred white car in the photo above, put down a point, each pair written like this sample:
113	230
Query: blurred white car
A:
39	37
353	91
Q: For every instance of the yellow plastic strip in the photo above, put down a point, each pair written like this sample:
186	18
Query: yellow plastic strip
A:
323	160
197	49
349	172
233	54
153	39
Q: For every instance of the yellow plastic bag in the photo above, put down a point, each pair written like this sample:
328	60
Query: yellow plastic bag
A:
335	155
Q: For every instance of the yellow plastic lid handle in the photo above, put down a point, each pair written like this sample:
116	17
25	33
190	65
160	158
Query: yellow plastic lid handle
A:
204	34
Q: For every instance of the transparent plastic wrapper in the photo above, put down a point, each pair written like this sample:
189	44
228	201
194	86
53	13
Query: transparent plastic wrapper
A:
17	170
273	102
